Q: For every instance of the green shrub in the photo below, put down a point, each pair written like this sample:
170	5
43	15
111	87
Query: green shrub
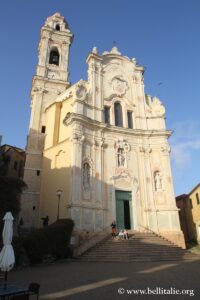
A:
52	240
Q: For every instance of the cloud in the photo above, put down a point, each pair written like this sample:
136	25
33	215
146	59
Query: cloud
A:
182	152
184	142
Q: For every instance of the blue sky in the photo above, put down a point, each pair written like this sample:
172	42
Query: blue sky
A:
163	35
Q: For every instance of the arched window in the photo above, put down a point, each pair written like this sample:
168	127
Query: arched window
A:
54	57
118	115
58	27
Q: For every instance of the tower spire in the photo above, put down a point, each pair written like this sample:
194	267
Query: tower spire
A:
51	79
53	50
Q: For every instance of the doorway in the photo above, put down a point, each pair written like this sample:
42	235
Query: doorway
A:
124	218
127	220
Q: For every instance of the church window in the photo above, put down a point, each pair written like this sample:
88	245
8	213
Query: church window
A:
118	114
58	27
107	114
38	172
130	119
54	57
43	129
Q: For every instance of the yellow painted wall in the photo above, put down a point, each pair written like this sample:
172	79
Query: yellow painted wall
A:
56	131
56	175
65	131
50	121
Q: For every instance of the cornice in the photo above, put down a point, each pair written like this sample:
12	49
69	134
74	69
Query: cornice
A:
46	79
65	32
74	117
87	104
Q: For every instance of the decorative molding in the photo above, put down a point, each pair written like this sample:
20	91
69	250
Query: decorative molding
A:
81	92
119	86
145	149
102	143
155	107
166	149
78	137
121	174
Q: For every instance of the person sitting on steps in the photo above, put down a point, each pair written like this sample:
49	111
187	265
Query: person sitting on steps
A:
113	228
126	237
121	235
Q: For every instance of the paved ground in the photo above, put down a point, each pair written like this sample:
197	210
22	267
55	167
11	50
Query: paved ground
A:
101	281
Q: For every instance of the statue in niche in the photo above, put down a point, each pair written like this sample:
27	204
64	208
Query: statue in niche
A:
121	157
86	176
158	181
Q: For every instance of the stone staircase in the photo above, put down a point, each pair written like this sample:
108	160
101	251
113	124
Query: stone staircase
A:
139	247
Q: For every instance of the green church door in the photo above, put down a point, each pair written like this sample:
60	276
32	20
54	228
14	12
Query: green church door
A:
123	210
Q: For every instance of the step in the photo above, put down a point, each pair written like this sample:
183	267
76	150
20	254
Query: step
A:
139	247
141	255
136	258
127	245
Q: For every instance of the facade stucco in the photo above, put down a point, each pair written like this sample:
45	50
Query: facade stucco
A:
91	160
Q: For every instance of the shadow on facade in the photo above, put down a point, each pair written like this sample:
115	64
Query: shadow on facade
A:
88	196
83	197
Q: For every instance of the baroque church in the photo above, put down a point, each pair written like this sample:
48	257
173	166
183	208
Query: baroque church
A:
97	150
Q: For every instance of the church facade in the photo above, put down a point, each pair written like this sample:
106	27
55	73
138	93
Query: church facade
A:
97	150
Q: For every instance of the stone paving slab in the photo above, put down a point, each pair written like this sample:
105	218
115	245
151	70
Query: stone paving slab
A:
75	280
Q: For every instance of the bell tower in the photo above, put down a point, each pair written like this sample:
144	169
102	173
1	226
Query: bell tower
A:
50	80
53	50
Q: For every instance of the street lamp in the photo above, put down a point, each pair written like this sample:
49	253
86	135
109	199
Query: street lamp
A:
58	194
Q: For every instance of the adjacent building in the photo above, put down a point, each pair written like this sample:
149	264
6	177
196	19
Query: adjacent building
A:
189	214
194	196
97	150
12	160
184	204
